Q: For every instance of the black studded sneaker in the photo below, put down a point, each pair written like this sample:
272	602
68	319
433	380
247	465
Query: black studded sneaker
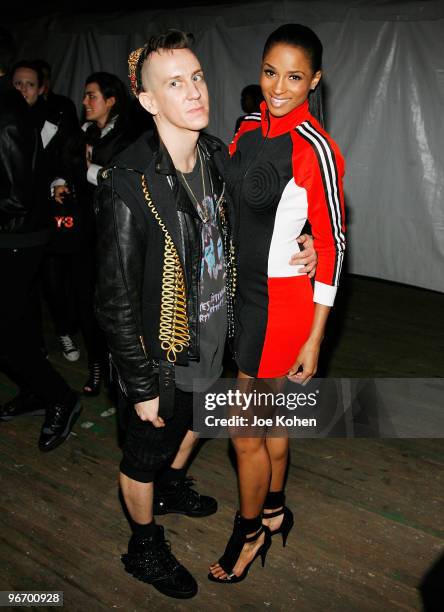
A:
150	560
59	421
179	498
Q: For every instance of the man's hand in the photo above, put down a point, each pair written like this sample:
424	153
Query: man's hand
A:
148	411
59	193
307	258
88	152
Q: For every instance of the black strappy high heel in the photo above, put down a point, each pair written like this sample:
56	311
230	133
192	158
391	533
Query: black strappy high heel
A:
277	499
235	544
92	386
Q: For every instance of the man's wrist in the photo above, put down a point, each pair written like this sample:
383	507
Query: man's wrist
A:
144	402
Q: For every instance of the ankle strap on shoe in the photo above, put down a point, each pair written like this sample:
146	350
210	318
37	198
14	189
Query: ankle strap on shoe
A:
250	526
255	536
274	499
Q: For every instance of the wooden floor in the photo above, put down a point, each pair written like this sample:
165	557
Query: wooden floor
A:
369	513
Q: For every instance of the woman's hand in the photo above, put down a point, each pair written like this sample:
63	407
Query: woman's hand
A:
148	411
308	360
307	257
59	193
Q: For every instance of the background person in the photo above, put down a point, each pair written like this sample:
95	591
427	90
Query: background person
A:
56	102
251	98
105	132
24	232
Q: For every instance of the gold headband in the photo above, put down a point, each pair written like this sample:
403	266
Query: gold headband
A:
133	61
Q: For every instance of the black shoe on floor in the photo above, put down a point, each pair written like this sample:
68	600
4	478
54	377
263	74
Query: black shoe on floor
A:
24	402
150	560
59	421
179	498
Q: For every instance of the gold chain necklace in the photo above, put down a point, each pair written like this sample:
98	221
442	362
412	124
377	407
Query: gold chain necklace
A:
202	213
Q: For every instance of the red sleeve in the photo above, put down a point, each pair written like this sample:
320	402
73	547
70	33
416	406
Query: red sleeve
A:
318	167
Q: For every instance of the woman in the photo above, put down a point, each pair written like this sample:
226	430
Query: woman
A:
104	134
285	170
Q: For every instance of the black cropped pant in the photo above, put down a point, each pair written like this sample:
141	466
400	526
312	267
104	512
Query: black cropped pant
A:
148	449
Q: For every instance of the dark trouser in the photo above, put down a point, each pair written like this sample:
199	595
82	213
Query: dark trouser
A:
58	292
68	284
20	337
148	449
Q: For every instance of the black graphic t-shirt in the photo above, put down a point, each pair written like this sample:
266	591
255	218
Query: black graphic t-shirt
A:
212	302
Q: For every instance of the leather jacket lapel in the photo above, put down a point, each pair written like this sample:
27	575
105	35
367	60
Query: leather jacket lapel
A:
163	197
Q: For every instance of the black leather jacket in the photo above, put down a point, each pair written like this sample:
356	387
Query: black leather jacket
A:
131	248
25	168
20	218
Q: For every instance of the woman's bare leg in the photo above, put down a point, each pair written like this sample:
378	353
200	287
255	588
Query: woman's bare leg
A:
254	473
254	470
278	452
277	446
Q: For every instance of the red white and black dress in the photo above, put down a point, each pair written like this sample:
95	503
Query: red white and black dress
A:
284	172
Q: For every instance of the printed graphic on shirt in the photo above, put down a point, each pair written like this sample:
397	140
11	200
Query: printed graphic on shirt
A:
212	286
212	261
212	305
212	302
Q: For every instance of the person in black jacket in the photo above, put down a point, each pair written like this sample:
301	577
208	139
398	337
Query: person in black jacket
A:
24	232
152	208
104	133
57	126
59	278
56	102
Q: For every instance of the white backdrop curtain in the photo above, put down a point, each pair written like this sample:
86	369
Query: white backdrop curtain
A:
384	85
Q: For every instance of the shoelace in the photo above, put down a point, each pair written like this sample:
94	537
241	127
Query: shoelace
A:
184	493
159	557
68	344
188	494
170	561
96	371
54	416
189	481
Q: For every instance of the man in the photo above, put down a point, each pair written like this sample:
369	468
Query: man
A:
24	232
56	103
59	126
165	285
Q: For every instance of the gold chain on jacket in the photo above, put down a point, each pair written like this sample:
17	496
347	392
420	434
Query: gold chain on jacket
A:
174	333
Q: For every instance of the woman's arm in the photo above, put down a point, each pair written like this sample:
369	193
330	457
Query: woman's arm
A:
308	356
319	169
